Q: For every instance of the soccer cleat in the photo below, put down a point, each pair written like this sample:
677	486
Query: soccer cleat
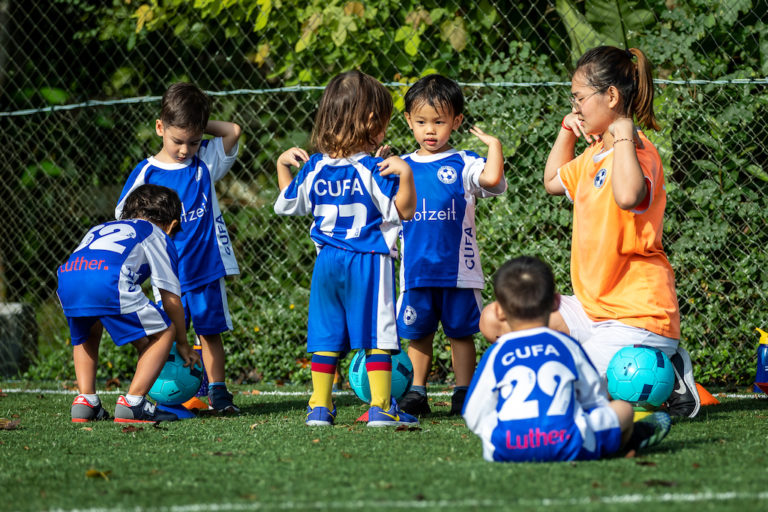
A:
220	400
83	412
378	417
414	403
684	400
649	431
145	412
457	402
320	416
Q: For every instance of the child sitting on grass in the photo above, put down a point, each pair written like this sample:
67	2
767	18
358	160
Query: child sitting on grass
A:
535	395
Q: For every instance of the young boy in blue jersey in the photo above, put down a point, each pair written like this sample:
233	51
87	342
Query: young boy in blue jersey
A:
440	274
535	396
190	166
100	287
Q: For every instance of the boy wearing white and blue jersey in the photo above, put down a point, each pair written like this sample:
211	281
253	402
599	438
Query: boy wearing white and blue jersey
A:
535	396
191	166
100	287
441	278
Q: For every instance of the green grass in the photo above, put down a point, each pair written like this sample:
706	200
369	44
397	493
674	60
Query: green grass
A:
266	459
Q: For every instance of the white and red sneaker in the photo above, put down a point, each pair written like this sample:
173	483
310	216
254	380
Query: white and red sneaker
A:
82	411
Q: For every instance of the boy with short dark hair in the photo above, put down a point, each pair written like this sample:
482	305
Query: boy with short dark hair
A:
535	395
100	287
190	166
440	274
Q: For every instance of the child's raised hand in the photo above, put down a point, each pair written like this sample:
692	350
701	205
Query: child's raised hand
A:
384	151
484	137
393	165
293	157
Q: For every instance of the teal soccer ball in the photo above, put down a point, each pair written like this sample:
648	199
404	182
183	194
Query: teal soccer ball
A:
640	375
402	376
176	383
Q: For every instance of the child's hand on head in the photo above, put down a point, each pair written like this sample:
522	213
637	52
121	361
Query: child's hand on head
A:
293	157
484	137
393	165
384	151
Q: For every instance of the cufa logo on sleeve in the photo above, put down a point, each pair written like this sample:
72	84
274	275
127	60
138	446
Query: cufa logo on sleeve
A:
600	177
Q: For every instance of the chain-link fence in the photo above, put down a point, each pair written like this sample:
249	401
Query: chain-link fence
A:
81	81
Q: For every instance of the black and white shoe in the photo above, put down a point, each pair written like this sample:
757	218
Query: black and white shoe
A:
684	400
144	412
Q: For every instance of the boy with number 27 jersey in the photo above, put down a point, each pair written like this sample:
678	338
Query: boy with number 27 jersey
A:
352	206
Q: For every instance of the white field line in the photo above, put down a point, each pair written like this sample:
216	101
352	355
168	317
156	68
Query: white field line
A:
506	504
755	396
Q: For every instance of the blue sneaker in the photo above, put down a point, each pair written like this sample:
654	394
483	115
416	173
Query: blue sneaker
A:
220	400
378	417
320	416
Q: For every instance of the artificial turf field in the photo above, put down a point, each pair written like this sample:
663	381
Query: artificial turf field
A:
267	459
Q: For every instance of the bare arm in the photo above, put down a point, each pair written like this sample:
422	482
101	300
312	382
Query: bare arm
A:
561	153
229	133
292	157
627	178
493	171
405	199
175	311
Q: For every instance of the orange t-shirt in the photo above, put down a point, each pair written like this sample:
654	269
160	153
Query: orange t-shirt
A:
618	265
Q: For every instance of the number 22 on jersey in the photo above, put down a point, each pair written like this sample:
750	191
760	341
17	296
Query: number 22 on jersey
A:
553	378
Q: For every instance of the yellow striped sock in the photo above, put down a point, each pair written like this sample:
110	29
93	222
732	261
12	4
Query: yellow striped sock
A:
323	371
378	365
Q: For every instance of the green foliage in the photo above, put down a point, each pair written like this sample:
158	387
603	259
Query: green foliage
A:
713	141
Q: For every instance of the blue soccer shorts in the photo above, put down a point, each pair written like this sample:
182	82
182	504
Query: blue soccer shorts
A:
351	302
123	328
420	310
207	308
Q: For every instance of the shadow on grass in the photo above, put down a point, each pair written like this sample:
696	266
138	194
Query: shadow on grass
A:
731	406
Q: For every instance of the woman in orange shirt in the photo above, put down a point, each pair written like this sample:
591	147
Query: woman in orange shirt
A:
624	286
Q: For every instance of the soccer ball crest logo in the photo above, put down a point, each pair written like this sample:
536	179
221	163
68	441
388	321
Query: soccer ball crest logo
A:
409	315
640	375
600	178
402	376
447	174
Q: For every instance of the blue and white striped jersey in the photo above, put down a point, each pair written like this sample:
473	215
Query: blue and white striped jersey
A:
203	244
439	245
352	204
528	397
103	275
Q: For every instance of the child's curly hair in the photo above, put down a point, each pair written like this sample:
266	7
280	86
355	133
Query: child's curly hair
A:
354	110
